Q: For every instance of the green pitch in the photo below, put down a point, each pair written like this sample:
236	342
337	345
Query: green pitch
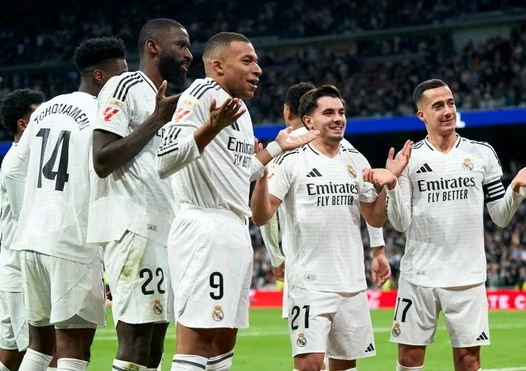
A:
265	345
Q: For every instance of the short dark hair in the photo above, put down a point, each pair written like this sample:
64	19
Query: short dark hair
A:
220	40
17	104
309	101
294	94
426	85
97	51
151	29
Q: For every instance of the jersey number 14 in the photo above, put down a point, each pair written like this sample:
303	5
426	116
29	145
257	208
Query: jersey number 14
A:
60	176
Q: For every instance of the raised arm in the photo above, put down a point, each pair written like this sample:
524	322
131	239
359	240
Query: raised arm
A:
501	204
194	125
112	148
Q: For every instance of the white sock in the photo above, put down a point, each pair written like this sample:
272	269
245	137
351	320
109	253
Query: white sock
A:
35	361
221	362
2	367
126	366
399	367
72	364
188	362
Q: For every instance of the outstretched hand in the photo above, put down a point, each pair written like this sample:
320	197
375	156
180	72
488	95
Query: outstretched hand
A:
287	141
519	180
226	114
397	164
380	177
165	106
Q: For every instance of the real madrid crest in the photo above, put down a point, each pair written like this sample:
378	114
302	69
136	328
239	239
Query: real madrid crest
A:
351	171
218	314
301	340
157	307
396	329
468	163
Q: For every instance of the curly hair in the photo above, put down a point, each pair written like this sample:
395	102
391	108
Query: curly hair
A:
17	104
97	51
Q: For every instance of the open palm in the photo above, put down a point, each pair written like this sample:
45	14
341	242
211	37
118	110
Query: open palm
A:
397	164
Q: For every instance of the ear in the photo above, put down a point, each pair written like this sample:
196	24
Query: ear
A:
21	125
98	76
287	113
151	47
309	123
420	116
218	67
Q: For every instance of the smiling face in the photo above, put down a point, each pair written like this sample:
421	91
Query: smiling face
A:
438	111
174	56
238	69
328	118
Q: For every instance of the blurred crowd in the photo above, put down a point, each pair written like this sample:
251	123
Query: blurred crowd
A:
37	34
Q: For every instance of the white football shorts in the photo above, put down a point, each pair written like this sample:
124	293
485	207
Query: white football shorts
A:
338	324
137	273
14	332
62	292
210	256
465	311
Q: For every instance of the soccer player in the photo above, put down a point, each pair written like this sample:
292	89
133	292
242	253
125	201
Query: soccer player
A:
210	146
16	109
131	208
61	273
318	185
438	203
270	231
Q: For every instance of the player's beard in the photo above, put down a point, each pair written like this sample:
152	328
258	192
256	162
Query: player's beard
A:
171	70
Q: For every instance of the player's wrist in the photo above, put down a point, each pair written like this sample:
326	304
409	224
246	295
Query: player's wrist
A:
378	250
274	149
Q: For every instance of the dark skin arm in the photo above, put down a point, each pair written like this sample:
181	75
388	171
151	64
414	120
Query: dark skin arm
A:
111	151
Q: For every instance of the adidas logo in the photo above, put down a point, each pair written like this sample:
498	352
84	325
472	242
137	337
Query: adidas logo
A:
235	126
314	173
370	348
424	169
482	336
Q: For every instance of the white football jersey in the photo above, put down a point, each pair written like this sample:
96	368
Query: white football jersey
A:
270	232
12	184
444	195
55	148
219	177
321	208
132	197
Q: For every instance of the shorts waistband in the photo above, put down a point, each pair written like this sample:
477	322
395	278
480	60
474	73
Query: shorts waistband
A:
193	211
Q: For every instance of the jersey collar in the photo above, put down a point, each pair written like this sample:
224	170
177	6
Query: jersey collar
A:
432	147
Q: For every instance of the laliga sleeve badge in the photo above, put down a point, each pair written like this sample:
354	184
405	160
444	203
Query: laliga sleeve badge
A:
217	314
157	307
396	330
301	340
467	164
351	171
